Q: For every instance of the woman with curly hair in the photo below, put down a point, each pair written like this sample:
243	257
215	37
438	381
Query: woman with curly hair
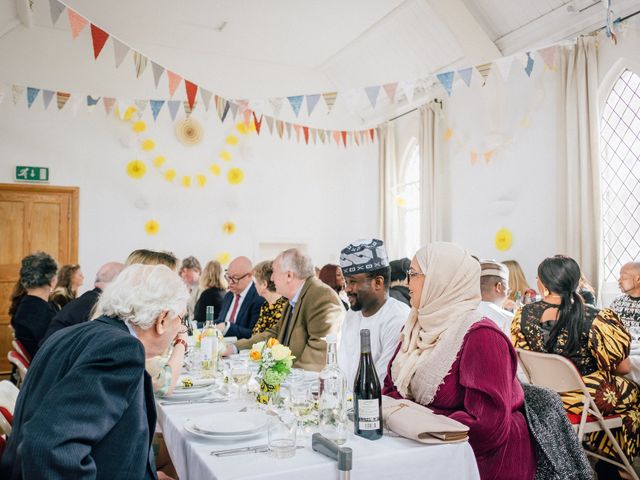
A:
595	341
30	309
70	279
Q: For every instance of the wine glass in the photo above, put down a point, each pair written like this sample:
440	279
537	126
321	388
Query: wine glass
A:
240	374
300	402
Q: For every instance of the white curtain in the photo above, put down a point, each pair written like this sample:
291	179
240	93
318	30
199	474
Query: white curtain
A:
388	181
428	144
578	186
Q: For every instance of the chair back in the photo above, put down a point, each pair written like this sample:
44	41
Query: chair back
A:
551	371
21	364
8	395
18	347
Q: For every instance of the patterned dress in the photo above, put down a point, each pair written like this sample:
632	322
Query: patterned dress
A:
604	343
270	315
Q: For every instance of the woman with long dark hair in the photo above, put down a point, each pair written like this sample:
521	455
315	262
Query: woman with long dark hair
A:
594	340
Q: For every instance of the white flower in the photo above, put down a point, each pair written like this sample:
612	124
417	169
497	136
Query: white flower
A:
280	352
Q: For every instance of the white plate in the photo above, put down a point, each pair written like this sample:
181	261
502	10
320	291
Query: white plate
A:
188	393
189	427
231	423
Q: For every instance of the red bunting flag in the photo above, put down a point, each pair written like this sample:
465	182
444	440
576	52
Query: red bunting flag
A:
257	123
344	137
99	38
305	131
191	89
247	117
371	132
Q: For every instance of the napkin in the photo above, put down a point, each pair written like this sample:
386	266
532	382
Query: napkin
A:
411	420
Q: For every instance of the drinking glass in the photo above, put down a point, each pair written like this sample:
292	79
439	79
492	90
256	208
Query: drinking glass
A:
240	374
282	435
300	403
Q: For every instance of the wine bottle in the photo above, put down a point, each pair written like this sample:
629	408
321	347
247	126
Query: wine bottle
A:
209	347
367	396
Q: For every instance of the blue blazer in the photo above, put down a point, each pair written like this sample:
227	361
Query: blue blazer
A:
247	314
86	409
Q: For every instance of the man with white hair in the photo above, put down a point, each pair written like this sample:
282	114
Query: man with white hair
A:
79	309
314	311
86	408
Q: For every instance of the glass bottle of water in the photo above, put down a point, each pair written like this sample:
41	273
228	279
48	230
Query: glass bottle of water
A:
209	347
332	400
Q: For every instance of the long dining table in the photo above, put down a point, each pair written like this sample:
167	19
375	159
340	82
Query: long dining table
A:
389	457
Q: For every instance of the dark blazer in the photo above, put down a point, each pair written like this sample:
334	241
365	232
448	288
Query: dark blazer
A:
210	297
247	314
86	409
74	312
31	320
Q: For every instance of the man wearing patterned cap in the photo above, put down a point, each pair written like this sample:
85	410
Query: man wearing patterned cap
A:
367	273
494	287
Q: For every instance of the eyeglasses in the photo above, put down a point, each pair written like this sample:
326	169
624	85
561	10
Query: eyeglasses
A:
232	279
412	273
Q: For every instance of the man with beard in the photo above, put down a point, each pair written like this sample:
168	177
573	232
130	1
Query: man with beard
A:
366	269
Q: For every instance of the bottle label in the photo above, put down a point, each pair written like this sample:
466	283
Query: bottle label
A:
206	347
368	414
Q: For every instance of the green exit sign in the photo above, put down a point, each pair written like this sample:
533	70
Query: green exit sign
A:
32	174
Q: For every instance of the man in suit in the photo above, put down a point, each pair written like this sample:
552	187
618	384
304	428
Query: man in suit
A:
241	305
314	311
86	409
79	309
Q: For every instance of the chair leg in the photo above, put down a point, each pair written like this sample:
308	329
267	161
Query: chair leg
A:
616	446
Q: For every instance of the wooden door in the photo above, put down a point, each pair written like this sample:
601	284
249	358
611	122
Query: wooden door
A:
32	218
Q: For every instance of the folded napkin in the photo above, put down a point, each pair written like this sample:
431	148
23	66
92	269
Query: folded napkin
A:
411	420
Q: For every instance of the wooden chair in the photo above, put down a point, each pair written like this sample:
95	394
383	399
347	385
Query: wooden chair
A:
559	374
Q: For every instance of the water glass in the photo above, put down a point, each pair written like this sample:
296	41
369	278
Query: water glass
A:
282	436
240	374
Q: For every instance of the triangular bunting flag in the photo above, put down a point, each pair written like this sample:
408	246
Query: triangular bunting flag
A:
344	137
314	135
336	137
257	123
484	70
446	79
247	117
174	81
312	101
280	128
243	105
390	89
62	98
99	38
47	96
140	62
504	66
297	128
173	105
108	103
408	87
76	21
120	50
158	70
56	9
372	95
206	98
17	91
548	55
142	106
92	102
223	110
330	100
372	133
188	108
276	104
295	102
488	155
465	75
356	138
234	109
269	124
529	67
322	135
191	89
32	93
156	106
305	131
287	126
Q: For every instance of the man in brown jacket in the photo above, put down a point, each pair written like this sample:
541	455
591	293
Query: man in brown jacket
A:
314	311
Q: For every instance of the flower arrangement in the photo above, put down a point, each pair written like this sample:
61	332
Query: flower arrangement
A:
274	360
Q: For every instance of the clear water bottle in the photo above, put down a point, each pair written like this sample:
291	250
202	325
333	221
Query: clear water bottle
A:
333	395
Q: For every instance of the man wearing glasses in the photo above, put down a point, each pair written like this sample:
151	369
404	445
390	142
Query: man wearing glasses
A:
494	287
241	305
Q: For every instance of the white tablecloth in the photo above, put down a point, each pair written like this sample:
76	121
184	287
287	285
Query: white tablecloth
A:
389	457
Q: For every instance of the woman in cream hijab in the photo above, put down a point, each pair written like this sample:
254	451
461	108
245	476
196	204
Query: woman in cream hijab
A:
461	365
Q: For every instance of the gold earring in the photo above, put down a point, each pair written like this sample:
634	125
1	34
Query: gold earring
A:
546	292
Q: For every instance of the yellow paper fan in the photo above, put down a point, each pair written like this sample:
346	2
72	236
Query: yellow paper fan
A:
224	258
224	155
235	176
231	140
504	239
201	179
159	161
215	169
229	228
186	181
152	227
170	174
139	126
136	169
148	145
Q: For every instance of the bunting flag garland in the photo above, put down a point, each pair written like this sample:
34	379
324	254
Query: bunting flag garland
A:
17	91
156	106
288	129
173	106
296	103
312	101
61	99
92	102
191	89
465	75
56	10
142	106
484	70
47	96
548	56
206	97
120	51
158	70
76	22
269	121
446	79
99	38
108	103
32	93
174	81
504	66
372	95
257	123
233	106
305	131
330	100
140	62
529	67
390	89
296	128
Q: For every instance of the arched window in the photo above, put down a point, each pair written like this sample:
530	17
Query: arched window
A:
408	198
620	170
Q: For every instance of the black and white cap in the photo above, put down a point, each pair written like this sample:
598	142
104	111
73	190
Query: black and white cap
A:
363	256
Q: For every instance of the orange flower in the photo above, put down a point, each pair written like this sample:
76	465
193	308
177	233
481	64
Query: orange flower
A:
271	342
255	355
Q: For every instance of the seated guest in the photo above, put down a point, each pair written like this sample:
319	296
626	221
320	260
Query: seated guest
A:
595	341
332	275
627	306
460	365
152	257
399	287
70	279
241	305
272	309
213	288
79	310
314	311
30	310
371	308
494	288
517	284
190	271
86	408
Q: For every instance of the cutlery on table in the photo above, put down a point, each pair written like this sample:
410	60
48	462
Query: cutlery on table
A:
185	402
243	450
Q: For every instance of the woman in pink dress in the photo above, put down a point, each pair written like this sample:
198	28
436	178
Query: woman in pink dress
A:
461	365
